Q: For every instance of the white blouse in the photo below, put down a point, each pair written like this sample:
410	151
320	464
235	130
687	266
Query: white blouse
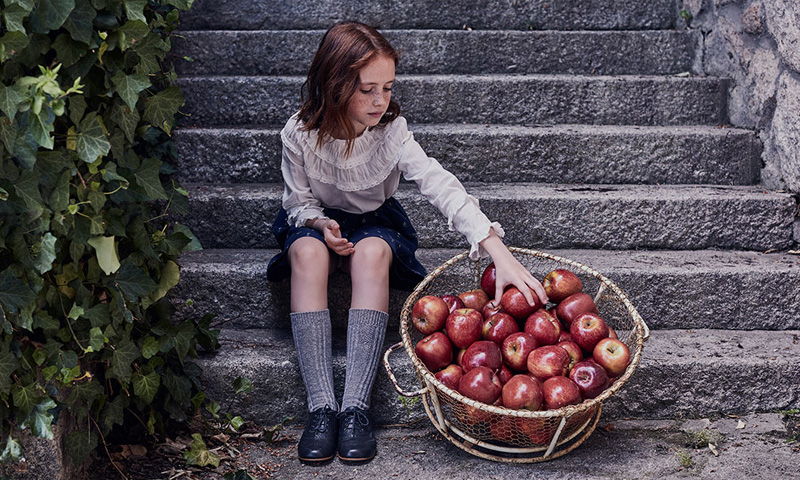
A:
316	178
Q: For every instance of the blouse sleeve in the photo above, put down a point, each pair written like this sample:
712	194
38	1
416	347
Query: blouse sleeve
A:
298	199
446	193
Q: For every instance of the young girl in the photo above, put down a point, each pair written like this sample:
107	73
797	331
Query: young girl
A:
343	155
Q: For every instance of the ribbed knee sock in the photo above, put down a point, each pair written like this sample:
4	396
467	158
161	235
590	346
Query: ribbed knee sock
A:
312	339
365	332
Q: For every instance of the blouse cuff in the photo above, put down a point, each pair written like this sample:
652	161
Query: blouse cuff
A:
303	214
476	252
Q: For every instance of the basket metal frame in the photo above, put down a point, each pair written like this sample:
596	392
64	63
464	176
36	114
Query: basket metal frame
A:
558	446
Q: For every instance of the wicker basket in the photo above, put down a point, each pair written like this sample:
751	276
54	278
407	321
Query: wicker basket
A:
498	433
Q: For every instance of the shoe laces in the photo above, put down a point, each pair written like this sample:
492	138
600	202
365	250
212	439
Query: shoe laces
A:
320	419
355	418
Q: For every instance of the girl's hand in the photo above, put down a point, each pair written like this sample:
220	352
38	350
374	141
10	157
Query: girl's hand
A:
511	272
334	240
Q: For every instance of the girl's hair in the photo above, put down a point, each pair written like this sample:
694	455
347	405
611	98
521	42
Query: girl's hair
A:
333	78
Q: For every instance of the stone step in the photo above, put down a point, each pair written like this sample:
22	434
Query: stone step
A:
614	217
559	154
682	373
281	52
505	99
670	289
748	447
476	14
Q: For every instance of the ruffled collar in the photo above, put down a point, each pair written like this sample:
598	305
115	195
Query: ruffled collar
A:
375	154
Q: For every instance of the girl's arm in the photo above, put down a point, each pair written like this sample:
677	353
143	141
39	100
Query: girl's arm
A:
510	271
333	236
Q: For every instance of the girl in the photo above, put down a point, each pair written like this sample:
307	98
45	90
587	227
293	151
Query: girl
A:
343	154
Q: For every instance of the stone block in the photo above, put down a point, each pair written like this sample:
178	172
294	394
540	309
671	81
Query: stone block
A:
783	142
783	23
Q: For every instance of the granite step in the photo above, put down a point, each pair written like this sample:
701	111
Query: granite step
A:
595	154
289	52
615	217
475	14
670	289
683	373
482	99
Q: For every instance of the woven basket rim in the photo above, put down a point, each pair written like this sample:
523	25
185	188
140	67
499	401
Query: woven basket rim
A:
640	335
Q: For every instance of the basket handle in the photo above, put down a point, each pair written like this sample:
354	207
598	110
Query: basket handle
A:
388	367
646	329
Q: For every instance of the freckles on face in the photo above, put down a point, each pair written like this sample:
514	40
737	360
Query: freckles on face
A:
373	92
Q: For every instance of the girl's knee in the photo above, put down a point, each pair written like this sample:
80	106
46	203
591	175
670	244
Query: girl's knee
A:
373	251
307	253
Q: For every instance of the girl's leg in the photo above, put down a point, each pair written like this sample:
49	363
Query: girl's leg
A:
369	270
311	329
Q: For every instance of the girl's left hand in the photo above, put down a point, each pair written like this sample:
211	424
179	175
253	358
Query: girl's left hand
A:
511	272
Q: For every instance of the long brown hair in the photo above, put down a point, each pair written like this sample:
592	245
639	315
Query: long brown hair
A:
333	78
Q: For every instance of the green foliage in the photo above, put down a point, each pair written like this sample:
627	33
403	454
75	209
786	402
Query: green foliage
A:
87	252
198	454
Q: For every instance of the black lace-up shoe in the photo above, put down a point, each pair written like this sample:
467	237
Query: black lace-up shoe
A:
356	440
318	442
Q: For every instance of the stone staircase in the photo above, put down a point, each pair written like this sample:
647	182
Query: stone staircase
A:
582	127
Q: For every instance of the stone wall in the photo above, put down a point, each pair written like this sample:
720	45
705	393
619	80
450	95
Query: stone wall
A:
756	43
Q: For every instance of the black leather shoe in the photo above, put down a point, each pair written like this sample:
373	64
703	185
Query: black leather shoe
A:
356	440
318	442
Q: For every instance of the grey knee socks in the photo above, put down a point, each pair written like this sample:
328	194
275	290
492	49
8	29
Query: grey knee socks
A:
312	339
365	332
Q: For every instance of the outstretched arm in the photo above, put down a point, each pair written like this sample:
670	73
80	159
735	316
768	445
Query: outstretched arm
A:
510	271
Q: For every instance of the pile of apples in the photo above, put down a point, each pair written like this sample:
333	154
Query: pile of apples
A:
517	355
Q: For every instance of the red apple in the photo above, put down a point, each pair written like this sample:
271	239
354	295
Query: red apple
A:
429	314
450	376
587	329
480	384
590	378
504	374
548	361
516	348
544	327
460	356
503	429
435	351
613	355
612	333
464	327
482	353
573	350
453	302
488	280
537	430
565	336
559	392
469	415
515	304
521	391
497	327
560	284
474	299
572	306
491	309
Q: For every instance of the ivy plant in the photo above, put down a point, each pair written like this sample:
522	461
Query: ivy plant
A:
88	252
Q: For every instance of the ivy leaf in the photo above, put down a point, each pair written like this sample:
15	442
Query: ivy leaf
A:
27	189
150	347
243	385
8	133
97	315
79	22
59	199
10	98
126	119
184	340
125	354
92	141
14	293
150	49
8	364
134	9
11	43
43	261
129	86
161	109
14	14
40	420
146	386
179	387
25	145
113	413
106	252
170	276
12	451
68	51
194	245
24	397
110	175
134	282
79	444
50	14
96	339
41	125
77	107
181	4
147	177
199	454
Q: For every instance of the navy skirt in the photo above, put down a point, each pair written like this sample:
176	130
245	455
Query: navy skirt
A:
389	222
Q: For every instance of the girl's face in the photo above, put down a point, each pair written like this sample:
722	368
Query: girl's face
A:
371	99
